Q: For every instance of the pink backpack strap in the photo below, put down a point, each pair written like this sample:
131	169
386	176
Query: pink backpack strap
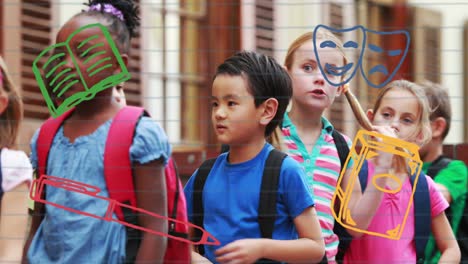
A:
117	164
45	139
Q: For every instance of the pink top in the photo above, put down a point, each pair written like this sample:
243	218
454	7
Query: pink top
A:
374	249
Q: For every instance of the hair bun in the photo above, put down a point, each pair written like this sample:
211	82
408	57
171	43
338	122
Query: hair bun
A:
127	8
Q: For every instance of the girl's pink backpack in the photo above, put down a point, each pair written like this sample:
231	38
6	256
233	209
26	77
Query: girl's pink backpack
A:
118	175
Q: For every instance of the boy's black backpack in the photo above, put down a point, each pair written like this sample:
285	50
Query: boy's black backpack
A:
421	201
462	233
267	202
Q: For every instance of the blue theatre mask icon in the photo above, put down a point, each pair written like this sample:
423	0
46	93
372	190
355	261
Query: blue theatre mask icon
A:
358	40
393	57
346	71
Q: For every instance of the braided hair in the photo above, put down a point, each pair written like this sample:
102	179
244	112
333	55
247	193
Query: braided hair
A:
122	30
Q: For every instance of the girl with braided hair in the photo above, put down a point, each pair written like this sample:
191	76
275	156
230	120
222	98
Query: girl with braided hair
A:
77	151
15	170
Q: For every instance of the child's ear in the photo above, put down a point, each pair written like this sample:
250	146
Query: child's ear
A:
370	115
438	127
270	106
124	57
3	102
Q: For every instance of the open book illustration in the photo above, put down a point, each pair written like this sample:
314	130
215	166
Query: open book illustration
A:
55	78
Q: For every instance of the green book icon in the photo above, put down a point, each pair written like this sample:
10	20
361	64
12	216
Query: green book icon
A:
55	79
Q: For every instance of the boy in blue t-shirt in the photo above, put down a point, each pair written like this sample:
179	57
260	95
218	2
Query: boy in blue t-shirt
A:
250	94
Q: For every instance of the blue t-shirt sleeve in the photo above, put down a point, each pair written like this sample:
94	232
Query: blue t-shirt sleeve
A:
188	191
293	186
150	142
33	145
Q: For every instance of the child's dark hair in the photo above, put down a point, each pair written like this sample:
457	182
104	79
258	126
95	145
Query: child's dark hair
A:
122	31
439	103
266	79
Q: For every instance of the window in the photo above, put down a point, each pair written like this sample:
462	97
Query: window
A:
134	85
183	43
425	39
35	37
264	31
386	16
170	70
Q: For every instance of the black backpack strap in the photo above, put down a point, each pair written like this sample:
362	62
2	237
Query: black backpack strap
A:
440	163
437	165
173	214
267	202
341	147
268	194
343	152
197	203
422	215
224	148
363	175
338	229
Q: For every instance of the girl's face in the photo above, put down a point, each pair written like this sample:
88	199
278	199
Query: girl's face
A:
92	55
310	89
400	110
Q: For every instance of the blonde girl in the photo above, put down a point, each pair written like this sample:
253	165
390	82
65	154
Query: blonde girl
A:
402	107
15	171
306	134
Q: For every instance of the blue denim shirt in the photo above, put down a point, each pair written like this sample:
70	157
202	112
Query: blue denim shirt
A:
67	237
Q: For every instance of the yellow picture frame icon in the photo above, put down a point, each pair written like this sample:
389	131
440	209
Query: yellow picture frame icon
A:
371	143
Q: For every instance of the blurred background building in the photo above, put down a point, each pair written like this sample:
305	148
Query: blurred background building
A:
182	41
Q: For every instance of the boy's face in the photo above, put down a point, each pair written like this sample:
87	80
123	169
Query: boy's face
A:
310	89
234	115
438	127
